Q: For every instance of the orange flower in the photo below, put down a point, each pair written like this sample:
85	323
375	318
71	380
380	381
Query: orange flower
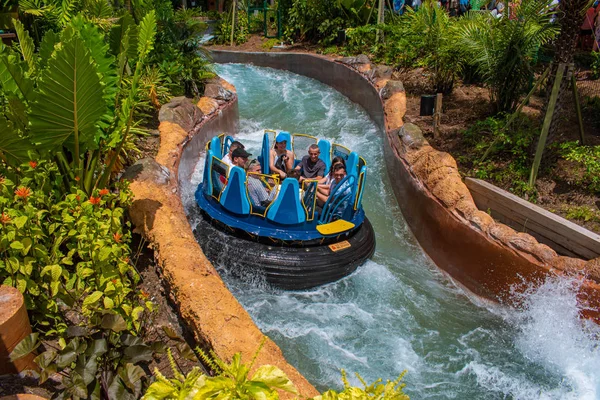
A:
33	164
23	192
117	236
94	200
4	219
126	260
114	281
2	179
78	198
144	294
103	192
77	178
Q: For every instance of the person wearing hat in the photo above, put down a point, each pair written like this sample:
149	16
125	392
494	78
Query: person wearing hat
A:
227	157
239	157
281	159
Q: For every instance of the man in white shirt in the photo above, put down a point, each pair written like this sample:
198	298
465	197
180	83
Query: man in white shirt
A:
227	159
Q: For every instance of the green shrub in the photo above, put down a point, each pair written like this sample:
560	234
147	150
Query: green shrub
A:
503	51
66	251
588	159
268	45
97	361
232	381
499	155
595	65
223	30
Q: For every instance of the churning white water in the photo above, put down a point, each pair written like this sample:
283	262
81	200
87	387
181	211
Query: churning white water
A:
398	311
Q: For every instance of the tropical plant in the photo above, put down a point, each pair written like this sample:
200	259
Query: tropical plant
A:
595	65
89	119
232	381
70	251
182	62
314	20
223	30
503	50
391	390
587	159
435	33
97	361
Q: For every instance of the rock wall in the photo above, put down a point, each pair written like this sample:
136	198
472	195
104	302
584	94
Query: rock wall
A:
215	317
488	258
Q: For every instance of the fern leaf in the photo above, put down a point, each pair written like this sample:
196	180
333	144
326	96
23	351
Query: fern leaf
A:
146	35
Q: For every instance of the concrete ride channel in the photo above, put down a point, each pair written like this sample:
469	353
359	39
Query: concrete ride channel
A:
398	311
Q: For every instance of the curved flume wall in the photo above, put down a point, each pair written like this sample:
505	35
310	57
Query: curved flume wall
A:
398	311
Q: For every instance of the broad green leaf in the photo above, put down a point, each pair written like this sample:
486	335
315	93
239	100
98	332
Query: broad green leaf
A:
26	45
108	303
17	245
47	367
56	272
186	352
114	322
92	298
132	376
26	242
160	390
13	148
99	51
125	30
75	385
274	378
20	221
25	346
69	354
21	284
97	348
47	47
138	353
16	113
118	390
12	74
70	103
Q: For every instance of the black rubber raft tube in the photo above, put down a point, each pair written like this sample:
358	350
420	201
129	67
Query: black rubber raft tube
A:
285	267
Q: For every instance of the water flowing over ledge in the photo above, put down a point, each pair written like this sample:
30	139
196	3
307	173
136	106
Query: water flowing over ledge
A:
489	258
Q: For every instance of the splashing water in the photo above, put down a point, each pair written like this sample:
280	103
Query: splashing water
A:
398	311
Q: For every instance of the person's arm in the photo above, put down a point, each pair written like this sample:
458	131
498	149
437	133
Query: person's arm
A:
321	172
322	197
289	163
272	158
324	189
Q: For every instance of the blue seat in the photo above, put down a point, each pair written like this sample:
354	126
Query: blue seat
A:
215	146
352	164
325	148
287	208
234	197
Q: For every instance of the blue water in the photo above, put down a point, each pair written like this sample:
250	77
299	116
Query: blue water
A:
398	311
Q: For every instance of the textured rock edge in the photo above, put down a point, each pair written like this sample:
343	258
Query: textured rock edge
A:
215	317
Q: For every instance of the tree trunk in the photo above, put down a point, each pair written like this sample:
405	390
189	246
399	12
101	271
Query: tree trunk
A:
570	17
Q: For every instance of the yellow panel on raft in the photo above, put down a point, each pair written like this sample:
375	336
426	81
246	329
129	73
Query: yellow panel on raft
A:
334	227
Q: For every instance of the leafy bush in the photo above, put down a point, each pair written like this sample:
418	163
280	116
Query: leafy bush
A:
183	64
595	65
503	50
391	390
588	159
70	251
223	30
83	130
314	20
99	361
232	381
500	155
